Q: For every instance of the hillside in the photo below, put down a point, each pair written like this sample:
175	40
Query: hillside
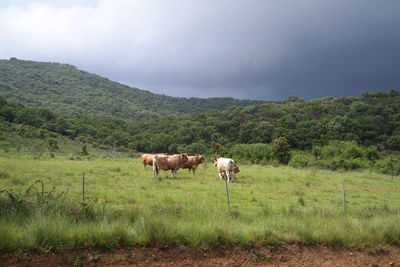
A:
67	90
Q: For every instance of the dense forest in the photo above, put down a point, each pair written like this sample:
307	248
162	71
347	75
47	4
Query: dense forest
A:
331	127
370	120
66	90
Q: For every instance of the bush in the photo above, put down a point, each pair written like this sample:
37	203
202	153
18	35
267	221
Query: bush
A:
317	152
53	144
354	164
388	165
280	150
252	152
352	151
339	162
329	151
84	151
301	159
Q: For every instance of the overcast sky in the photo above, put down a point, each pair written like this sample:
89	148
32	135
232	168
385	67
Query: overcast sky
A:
247	49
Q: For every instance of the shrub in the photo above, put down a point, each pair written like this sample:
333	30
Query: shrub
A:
53	144
329	151
316	151
301	159
280	150
252	152
84	151
354	164
371	154
352	151
388	166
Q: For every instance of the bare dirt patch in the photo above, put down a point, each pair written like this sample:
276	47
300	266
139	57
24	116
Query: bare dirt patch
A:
290	255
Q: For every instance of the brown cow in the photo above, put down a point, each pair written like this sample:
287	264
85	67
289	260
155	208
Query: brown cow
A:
193	162
164	162
147	159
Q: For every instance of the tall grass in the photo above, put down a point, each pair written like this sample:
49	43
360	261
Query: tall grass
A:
125	206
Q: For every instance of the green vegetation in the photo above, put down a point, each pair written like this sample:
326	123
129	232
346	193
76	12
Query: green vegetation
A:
41	205
256	134
346	155
255	153
370	120
76	122
64	89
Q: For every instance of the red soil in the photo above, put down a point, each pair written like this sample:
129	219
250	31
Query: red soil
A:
290	255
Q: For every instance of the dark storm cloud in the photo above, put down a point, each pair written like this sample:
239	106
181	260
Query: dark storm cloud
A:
244	49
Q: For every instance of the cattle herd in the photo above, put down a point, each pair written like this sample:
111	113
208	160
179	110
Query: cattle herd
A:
227	168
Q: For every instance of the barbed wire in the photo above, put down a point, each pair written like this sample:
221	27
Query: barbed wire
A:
145	180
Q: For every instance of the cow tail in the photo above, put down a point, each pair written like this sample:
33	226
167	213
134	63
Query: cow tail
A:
155	166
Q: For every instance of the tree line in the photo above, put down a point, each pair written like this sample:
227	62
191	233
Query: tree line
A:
372	120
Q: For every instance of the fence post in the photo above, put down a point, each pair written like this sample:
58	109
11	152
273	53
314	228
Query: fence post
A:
344	200
83	186
227	195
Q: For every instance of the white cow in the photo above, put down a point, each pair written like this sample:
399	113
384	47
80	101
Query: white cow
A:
225	167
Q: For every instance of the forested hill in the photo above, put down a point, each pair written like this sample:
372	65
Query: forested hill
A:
66	90
370	120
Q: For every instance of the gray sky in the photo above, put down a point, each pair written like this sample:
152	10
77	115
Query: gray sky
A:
247	49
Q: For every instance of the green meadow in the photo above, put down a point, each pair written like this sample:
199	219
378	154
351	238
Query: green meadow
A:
41	205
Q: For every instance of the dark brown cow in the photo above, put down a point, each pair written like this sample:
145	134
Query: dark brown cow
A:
193	162
164	162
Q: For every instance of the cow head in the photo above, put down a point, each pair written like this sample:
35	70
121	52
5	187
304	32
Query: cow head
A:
236	168
201	158
215	161
184	157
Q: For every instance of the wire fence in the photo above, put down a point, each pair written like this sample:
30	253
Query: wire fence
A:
83	185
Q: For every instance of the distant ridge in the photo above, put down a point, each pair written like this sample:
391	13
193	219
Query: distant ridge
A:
69	91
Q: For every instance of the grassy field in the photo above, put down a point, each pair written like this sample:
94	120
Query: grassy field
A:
125	206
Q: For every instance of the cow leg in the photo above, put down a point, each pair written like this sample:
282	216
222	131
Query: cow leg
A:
227	174
194	171
233	177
